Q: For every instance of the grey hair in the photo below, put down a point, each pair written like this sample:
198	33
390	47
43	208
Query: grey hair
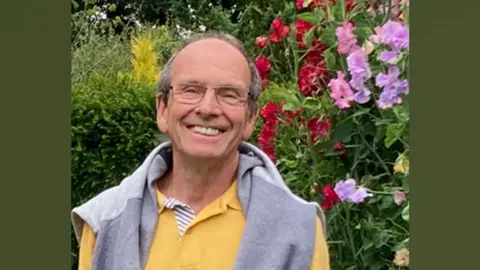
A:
164	83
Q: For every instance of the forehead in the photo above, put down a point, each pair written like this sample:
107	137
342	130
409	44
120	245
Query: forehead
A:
211	61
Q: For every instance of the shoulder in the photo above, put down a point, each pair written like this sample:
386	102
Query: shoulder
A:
105	206
292	204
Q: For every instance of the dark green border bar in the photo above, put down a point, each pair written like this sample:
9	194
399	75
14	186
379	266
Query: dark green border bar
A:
35	134
445	137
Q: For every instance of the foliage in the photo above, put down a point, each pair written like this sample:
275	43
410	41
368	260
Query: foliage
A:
113	105
113	128
340	135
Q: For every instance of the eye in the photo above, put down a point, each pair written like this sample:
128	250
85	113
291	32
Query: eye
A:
229	93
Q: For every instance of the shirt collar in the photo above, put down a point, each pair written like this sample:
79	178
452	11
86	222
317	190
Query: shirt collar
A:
229	198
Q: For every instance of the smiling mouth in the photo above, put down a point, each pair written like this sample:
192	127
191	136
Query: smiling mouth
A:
207	131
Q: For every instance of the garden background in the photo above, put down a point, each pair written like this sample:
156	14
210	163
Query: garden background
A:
334	108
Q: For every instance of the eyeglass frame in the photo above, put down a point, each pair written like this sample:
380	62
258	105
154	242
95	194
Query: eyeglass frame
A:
204	88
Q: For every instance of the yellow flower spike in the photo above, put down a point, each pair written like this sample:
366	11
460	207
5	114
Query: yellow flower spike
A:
144	60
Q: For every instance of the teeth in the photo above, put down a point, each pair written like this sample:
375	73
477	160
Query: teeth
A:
205	130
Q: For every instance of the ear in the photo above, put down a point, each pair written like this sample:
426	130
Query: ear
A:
250	125
162	114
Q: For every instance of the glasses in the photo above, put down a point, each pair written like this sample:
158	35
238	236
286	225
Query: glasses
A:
194	93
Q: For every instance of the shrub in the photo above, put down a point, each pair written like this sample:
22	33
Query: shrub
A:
112	129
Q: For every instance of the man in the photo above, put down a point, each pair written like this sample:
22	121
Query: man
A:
206	199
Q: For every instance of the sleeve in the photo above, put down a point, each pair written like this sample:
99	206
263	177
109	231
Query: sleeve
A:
87	245
321	257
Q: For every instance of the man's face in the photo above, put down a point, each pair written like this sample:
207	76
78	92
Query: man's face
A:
207	129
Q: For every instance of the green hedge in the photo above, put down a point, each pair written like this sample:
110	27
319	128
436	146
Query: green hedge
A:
113	129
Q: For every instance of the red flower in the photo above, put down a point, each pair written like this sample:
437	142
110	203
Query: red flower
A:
280	30
261	42
266	137
319	128
299	4
269	149
263	66
290	115
331	198
338	146
312	79
301	27
267	133
269	112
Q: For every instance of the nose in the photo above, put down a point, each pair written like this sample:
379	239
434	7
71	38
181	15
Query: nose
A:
208	106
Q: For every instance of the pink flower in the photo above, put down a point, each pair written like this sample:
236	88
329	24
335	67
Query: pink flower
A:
261	42
398	197
341	91
346	39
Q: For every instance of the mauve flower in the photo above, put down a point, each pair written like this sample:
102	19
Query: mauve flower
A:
392	87
280	30
341	91
398	197
346	39
261	42
358	66
360	195
393	34
388	57
362	96
390	78
345	189
360	71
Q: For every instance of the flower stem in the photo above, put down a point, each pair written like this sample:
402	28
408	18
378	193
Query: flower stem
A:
377	156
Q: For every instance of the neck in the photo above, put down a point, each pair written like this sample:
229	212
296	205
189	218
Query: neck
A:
199	183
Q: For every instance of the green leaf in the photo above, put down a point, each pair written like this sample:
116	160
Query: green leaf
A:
308	17
343	131
362	32
330	59
401	113
394	132
308	37
319	14
405	184
328	37
385	203
406	212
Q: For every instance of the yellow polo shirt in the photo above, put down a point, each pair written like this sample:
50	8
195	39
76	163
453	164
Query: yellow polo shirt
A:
204	245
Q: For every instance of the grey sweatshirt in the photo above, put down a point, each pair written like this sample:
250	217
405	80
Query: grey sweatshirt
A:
279	226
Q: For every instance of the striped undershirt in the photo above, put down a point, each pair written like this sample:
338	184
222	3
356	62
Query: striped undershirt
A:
183	213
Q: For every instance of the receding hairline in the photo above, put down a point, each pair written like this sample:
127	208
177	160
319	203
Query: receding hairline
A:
210	42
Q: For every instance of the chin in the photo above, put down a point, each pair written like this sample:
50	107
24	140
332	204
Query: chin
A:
206	151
